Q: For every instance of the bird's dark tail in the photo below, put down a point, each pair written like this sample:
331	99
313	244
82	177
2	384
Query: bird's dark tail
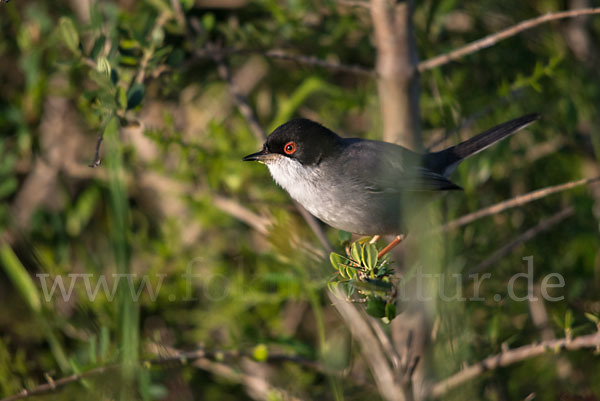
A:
445	161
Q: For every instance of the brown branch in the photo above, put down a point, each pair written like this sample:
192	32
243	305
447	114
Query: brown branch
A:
514	202
241	213
425	65
172	356
97	158
510	357
213	52
53	385
491	40
542	226
371	348
160	22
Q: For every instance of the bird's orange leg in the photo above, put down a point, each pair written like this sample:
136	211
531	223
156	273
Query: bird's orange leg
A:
398	239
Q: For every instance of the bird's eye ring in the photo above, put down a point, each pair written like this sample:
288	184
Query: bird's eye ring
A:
290	148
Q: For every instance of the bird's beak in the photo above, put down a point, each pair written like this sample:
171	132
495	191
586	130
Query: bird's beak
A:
258	156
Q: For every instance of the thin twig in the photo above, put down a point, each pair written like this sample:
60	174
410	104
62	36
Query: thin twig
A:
241	213
97	158
240	100
491	40
526	236
160	22
172	356
59	383
425	65
509	357
261	136
371	348
279	54
514	202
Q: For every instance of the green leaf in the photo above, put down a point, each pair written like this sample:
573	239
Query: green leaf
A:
370	255
390	311
372	285
260	353
208	21
97	47
568	319
129	44
8	186
20	277
103	66
592	318
376	307
344	236
80	215
69	34
121	98
336	260
135	95
355	250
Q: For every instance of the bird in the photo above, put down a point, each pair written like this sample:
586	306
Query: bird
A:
359	185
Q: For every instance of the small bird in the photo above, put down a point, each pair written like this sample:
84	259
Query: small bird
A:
358	185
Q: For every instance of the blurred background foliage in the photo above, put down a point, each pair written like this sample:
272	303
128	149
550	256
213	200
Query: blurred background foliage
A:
238	268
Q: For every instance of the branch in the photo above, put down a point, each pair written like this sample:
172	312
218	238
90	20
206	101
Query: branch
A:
491	40
510	357
160	22
370	347
279	54
241	213
240	101
97	158
425	65
397	83
526	236
514	202
173	356
53	385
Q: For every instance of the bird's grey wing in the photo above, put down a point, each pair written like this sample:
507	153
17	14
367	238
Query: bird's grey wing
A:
389	168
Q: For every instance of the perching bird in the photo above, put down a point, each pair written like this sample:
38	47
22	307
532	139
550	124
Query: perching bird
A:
359	185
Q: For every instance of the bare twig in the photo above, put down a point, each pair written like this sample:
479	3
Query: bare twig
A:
170	356
491	40
160	22
241	102
279	54
241	213
509	357
425	65
312	60
97	158
526	236
514	202
371	348
354	3
53	385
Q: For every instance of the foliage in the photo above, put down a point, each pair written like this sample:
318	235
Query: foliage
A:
136	74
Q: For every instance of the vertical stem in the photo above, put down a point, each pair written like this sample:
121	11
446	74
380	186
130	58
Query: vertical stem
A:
398	80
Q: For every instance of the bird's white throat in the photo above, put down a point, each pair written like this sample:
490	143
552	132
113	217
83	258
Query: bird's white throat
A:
305	184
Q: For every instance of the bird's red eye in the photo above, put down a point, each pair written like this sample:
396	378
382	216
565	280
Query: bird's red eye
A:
289	148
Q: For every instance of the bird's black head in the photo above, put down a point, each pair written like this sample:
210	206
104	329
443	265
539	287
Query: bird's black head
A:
301	139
